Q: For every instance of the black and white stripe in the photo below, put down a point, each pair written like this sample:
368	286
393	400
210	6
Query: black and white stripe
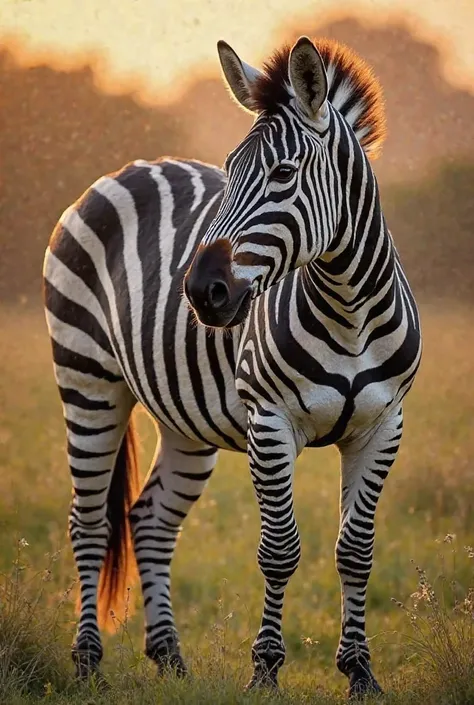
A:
328	350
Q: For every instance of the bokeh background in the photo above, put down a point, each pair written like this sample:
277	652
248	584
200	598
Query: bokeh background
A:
85	88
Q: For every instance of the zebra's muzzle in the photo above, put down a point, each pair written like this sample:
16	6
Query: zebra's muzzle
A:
217	298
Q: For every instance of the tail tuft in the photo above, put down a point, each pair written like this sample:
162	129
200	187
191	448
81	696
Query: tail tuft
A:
119	571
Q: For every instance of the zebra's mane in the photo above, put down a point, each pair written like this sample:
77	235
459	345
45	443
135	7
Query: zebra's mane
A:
354	91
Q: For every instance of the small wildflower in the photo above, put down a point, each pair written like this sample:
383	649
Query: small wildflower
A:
449	538
23	543
470	551
67	591
308	641
56	555
398	603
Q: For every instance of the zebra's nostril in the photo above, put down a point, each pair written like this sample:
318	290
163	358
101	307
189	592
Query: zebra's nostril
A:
218	295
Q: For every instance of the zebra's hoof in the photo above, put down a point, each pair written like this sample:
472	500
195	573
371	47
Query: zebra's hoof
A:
171	664
168	658
263	679
87	666
99	682
361	684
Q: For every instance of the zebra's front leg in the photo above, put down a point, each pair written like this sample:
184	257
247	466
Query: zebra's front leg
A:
365	464
177	479
272	453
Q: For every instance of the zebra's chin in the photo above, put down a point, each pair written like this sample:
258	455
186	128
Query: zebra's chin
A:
242	310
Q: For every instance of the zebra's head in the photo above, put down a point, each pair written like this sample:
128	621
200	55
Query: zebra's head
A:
289	182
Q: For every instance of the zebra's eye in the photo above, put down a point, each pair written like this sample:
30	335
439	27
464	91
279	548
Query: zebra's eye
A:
282	173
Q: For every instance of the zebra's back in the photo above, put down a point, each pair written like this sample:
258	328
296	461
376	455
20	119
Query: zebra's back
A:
113	290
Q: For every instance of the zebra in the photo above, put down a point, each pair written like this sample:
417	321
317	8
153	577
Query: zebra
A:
261	308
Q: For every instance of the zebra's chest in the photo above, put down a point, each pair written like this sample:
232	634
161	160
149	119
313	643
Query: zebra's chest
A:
323	410
325	395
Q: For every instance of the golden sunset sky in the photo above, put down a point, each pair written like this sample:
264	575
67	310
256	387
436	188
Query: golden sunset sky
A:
153	45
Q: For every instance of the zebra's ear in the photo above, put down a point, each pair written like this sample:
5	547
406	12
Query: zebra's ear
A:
308	78
239	76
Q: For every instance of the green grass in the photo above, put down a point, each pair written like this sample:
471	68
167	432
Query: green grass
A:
217	587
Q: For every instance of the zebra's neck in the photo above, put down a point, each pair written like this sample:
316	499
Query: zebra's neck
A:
360	266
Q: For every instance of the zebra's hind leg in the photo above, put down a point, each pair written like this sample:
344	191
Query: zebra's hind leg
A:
103	473
177	478
365	465
97	405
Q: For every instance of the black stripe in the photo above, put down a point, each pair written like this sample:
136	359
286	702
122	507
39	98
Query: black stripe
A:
205	452
86	365
76	452
75	398
80	430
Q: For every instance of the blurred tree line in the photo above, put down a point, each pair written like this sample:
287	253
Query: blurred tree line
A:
59	133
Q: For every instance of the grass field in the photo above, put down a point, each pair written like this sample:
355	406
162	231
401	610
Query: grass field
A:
425	655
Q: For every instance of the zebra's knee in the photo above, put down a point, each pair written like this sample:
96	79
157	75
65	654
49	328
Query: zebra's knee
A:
89	541
354	554
142	508
83	524
279	555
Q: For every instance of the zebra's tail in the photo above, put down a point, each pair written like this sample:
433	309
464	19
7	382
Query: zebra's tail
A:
119	570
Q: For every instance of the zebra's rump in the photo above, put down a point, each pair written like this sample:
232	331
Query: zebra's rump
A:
113	277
